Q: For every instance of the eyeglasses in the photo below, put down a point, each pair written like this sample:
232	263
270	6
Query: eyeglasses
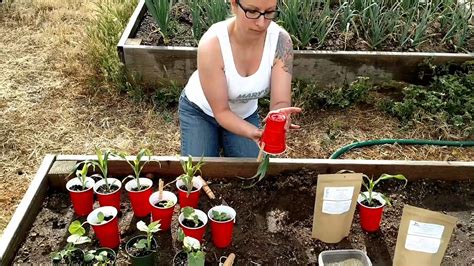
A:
255	14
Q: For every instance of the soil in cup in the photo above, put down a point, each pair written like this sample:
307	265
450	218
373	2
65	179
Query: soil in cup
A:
161	204
143	188
191	224
375	203
185	188
181	259
78	188
103	189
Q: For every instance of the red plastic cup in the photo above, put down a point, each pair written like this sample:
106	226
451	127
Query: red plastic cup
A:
112	199
162	214
140	200
191	199
82	201
370	217
197	232
222	231
107	232
274	134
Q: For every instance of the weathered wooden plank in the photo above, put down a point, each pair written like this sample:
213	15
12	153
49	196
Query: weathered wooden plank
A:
25	213
232	167
131	28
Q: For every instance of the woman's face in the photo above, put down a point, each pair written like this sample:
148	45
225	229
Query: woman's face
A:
245	10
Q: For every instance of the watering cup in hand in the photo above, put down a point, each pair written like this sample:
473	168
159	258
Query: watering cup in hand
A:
274	135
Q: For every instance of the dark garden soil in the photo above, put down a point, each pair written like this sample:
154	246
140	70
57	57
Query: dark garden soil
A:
181	19
273	223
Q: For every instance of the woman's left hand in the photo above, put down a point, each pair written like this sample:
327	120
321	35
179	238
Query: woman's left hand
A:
287	111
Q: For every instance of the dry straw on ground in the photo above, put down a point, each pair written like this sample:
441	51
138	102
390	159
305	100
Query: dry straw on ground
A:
47	106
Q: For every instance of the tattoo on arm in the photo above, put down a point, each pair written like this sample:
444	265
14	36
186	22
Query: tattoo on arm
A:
284	51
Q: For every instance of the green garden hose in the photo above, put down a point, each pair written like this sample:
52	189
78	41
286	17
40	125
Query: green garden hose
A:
359	144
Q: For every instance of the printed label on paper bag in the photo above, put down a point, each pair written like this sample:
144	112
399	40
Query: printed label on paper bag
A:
337	200
338	193
336	207
424	237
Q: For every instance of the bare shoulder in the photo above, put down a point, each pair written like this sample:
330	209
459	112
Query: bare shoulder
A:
209	47
284	52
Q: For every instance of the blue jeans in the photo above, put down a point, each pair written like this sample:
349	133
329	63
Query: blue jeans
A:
201	135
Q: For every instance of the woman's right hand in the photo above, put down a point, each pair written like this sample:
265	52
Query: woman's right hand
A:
256	134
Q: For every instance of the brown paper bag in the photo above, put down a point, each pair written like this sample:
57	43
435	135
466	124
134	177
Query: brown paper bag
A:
336	198
423	237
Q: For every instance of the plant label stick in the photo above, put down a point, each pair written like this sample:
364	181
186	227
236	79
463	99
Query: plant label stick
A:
160	188
206	188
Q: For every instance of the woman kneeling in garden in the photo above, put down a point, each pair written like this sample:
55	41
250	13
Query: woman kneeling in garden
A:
239	61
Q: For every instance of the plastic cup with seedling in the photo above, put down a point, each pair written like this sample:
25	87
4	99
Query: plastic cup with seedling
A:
188	186
139	188
193	222
222	219
371	203
81	190
71	254
141	248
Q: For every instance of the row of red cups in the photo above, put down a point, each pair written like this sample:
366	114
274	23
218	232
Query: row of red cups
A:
144	202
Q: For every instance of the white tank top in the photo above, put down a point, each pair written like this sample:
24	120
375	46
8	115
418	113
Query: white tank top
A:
243	92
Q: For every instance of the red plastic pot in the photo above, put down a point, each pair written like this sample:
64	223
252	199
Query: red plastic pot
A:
162	214
274	134
222	231
191	199
82	201
370	217
197	232
140	200
111	199
106	232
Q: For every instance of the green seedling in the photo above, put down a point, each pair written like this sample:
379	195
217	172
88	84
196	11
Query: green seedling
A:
100	258
76	238
261	171
137	164
82	174
193	249
190	171
220	216
370	184
190	214
145	244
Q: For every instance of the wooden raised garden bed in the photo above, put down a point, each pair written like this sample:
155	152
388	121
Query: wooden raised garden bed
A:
274	219
155	64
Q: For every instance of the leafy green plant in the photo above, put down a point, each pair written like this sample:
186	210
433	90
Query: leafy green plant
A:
193	249
220	216
76	238
97	258
190	215
137	164
370	184
190	171
100	217
161	10
145	244
443	101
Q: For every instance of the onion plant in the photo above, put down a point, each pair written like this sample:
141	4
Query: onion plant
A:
214	10
378	21
307	20
161	11
196	13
